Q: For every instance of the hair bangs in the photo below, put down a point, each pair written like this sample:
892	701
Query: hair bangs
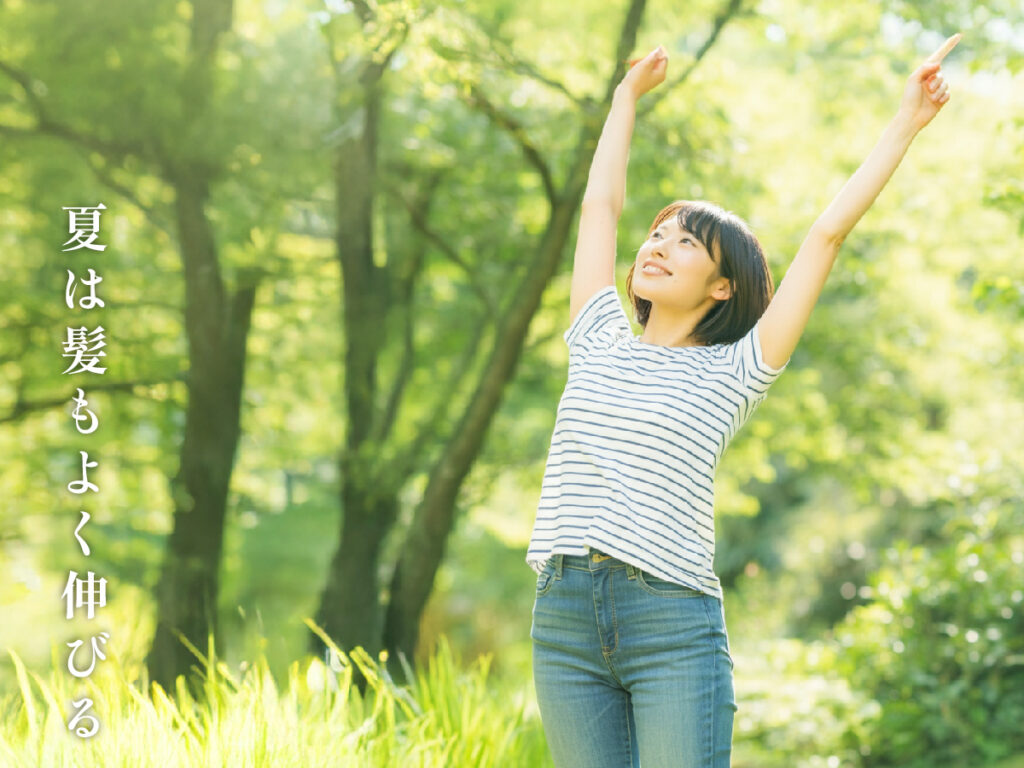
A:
705	223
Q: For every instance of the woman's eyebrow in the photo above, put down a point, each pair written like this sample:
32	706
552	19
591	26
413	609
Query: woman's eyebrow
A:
683	232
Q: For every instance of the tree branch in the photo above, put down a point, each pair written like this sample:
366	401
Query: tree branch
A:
45	123
23	407
146	304
155	218
522	67
26	82
432	428
14	130
626	44
518	133
102	173
504	58
731	8
419	221
407	366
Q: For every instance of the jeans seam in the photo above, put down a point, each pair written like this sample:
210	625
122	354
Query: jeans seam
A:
550	582
615	624
676	594
711	740
629	736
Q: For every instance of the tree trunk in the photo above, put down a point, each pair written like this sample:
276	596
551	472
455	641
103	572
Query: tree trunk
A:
350	608
216	328
434	518
186	592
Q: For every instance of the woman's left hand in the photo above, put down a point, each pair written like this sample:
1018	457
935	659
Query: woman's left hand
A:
926	90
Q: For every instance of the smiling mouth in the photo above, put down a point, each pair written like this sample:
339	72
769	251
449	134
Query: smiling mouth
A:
650	269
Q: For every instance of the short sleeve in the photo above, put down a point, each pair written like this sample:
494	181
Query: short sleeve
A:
600	321
747	363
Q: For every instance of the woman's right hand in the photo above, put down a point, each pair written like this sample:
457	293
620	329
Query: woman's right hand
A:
646	73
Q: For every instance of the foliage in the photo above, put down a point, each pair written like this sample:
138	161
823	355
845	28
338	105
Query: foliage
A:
941	647
794	710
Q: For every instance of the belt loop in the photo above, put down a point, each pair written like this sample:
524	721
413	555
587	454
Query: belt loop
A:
630	571
558	565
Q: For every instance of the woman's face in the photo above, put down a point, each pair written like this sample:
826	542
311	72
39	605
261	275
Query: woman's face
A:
689	267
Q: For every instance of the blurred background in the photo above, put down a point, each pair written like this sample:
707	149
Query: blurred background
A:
338	249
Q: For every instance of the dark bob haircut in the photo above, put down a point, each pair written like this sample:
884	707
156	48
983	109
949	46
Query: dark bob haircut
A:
740	259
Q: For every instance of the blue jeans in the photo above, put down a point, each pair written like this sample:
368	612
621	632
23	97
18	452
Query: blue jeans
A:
630	669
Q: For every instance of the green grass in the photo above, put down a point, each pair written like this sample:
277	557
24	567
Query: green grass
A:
447	717
451	715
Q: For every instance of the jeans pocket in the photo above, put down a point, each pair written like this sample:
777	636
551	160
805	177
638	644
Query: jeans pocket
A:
546	578
663	587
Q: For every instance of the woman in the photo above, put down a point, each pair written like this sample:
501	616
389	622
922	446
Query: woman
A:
630	652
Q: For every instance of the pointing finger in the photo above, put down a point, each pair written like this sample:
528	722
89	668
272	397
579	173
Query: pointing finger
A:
946	47
657	54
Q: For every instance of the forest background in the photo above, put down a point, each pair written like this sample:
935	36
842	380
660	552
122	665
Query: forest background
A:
338	248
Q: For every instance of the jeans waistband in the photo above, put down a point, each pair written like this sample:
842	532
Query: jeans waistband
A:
594	559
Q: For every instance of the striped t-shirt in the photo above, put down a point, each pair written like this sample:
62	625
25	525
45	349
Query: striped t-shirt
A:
639	431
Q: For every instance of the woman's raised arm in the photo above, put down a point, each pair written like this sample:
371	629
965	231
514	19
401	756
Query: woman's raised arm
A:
782	324
594	260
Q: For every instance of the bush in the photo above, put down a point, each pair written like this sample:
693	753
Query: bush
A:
941	647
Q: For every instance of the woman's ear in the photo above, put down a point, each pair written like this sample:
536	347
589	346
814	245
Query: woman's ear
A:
723	290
